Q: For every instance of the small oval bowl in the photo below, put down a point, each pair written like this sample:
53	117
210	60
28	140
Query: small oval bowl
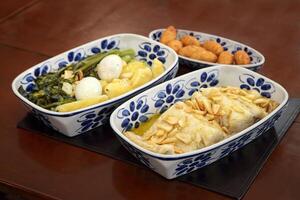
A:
161	97
257	59
85	119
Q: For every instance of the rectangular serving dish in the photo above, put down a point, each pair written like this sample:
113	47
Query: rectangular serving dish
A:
159	98
85	119
257	59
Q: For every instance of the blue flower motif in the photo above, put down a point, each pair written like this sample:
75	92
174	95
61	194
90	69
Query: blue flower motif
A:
206	79
262	86
170	95
150	51
135	114
192	164
105	45
28	80
80	54
92	119
198	37
236	144
71	57
137	154
156	36
222	43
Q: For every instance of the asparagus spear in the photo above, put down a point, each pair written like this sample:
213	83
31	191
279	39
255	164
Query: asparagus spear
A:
48	92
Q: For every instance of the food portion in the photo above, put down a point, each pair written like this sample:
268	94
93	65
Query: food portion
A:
95	79
225	58
168	35
241	57
210	116
209	51
213	47
189	40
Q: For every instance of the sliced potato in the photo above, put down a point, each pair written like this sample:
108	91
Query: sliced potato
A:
81	104
103	83
133	66
157	68
140	77
117	88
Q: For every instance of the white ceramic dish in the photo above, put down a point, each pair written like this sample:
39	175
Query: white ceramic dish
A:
159	98
79	121
257	59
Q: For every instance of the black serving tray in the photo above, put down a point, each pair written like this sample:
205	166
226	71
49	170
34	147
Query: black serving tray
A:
230	176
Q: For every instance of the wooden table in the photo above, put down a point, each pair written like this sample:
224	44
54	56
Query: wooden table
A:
31	31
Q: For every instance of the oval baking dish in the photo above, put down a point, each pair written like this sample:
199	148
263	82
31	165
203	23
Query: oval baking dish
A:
140	108
76	122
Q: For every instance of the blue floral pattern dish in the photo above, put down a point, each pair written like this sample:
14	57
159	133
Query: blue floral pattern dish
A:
149	53
28	80
80	121
161	97
257	59
168	96
265	88
136	114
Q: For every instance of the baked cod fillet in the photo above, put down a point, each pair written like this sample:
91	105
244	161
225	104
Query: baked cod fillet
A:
210	116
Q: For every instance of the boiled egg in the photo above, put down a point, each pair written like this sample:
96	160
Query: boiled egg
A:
88	87
110	67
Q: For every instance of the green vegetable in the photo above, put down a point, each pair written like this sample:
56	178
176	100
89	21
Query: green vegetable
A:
48	92
127	52
127	58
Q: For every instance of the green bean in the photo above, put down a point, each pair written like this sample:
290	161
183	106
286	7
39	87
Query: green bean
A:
91	63
48	92
61	70
127	52
77	66
127	58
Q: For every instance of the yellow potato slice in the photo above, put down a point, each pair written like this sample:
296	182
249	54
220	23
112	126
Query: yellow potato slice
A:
157	68
140	77
117	88
81	104
133	66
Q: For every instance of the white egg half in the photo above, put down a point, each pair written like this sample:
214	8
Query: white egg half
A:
88	87
110	67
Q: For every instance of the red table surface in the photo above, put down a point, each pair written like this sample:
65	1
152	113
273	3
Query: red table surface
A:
36	167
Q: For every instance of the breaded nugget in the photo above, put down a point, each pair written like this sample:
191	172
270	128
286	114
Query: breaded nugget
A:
168	35
204	55
213	46
189	40
175	44
241	58
225	58
189	50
